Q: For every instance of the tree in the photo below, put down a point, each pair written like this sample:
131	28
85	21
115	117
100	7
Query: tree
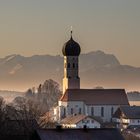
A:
39	89
129	136
2	113
28	108
49	93
29	93
46	121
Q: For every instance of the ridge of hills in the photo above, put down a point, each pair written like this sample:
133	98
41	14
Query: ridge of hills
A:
96	69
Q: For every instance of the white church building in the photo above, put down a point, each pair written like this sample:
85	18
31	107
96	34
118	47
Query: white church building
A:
90	102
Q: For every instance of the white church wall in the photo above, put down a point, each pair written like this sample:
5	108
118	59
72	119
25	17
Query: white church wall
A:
72	108
62	110
78	107
105	114
60	103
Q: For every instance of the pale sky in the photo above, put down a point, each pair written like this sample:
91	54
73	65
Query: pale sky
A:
29	27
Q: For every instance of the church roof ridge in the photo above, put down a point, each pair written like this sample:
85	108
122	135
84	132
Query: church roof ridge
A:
96	96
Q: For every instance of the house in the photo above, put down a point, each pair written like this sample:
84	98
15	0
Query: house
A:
81	121
78	134
127	116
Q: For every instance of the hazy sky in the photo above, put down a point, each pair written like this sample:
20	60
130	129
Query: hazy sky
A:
31	27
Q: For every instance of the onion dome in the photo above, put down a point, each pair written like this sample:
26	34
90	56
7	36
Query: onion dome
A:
71	48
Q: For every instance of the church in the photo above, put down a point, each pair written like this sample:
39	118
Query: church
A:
76	101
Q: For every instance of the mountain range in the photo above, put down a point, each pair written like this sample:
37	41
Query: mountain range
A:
96	69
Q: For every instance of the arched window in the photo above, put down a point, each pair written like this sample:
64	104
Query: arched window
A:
80	111
102	111
92	111
64	112
112	111
71	110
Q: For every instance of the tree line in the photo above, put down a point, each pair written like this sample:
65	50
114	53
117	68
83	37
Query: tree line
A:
24	114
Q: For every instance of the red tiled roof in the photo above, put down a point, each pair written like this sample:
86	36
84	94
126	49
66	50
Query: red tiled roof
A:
73	119
96	96
77	118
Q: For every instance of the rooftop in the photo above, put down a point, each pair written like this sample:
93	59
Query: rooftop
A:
77	118
130	112
96	96
80	134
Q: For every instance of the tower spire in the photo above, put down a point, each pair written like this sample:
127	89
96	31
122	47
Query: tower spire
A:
71	51
71	31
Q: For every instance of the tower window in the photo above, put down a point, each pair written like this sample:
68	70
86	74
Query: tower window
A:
102	111
73	65
68	65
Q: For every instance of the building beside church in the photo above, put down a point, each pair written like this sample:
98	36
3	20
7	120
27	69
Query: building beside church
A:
127	116
100	103
79	121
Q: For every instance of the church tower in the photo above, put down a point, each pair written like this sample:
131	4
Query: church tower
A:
71	51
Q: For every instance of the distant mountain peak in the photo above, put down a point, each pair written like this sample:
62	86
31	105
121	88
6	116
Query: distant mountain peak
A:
9	57
96	68
100	58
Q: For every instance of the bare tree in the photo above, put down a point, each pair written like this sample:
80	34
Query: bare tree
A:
50	93
2	113
128	136
46	121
